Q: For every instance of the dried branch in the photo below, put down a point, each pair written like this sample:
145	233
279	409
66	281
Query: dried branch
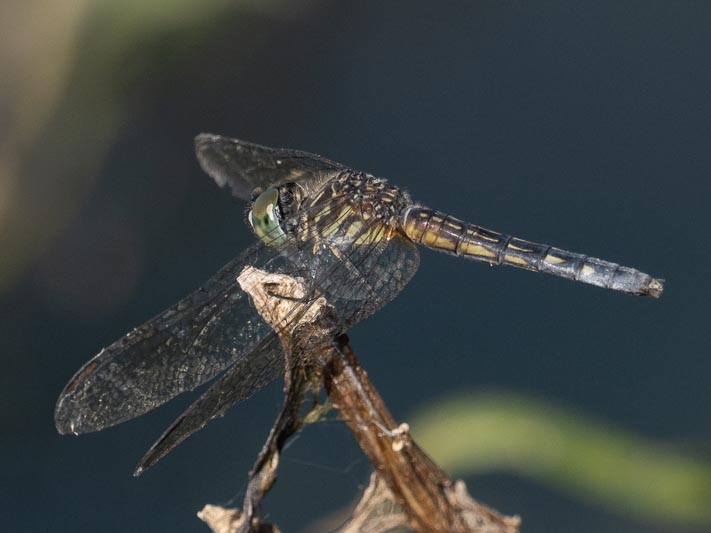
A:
429	500
408	489
222	520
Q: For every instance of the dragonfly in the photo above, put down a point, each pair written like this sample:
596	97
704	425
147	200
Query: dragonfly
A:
349	236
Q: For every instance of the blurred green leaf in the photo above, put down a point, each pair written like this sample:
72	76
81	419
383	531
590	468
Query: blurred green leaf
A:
67	75
468	434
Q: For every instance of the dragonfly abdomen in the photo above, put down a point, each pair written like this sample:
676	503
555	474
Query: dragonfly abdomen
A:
448	234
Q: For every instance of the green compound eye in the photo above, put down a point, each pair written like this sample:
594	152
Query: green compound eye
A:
264	218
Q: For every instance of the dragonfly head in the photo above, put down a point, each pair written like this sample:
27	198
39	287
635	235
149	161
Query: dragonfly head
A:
265	217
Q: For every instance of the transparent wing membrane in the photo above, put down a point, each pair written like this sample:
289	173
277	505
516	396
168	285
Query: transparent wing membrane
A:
350	237
245	166
356	280
178	350
218	328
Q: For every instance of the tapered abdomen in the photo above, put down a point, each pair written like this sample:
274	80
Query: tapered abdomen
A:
445	233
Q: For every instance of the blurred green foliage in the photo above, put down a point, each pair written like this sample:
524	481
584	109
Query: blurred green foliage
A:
573	452
64	99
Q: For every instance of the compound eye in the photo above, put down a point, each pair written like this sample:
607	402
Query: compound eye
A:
264	217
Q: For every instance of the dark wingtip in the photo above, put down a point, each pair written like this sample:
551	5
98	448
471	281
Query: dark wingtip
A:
62	427
66	421
68	418
63	419
204	142
147	461
164	445
202	139
210	154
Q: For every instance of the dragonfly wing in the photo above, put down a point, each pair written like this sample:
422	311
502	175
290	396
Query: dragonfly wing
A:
176	351
217	326
356	279
244	166
259	368
361	263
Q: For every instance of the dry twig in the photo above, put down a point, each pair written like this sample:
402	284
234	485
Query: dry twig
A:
408	488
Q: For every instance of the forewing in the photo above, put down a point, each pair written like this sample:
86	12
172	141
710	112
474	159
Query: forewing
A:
217	326
183	347
244	166
178	350
357	279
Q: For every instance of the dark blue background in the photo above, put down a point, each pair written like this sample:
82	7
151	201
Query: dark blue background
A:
585	125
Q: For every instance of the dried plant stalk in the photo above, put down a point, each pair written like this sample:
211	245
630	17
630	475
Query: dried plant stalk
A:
408	489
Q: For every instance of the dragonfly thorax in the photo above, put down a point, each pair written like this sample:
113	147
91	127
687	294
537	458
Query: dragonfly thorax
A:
374	198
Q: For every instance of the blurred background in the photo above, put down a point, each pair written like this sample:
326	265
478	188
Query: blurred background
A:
585	125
